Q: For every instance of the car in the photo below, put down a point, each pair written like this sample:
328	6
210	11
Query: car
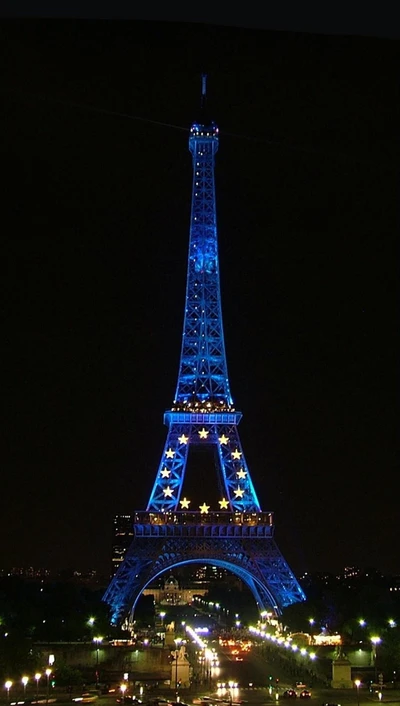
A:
289	694
330	703
305	694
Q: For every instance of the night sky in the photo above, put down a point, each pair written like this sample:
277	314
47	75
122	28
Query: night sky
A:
96	206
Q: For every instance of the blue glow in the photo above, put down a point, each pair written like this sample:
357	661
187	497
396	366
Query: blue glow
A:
203	413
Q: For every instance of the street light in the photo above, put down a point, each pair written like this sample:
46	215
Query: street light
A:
25	681
162	616
123	689
48	672
375	641
37	677
97	641
8	686
357	683
177	641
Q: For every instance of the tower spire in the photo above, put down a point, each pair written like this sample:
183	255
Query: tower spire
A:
203	374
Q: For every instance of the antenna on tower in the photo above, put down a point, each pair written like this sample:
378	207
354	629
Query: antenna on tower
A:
203	90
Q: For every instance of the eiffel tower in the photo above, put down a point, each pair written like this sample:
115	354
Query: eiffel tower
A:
238	535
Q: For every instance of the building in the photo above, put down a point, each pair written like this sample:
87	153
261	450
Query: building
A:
122	539
172	594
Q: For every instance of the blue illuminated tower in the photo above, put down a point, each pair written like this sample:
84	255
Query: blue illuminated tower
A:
237	535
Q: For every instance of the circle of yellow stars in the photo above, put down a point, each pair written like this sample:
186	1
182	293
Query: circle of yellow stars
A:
204	508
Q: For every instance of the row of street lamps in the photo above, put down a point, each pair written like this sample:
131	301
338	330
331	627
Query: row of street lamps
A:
8	684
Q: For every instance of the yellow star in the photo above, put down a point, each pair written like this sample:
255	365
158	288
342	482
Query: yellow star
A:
223	439
203	433
204	509
165	473
241	474
236	454
183	439
185	504
238	492
168	492
223	504
170	453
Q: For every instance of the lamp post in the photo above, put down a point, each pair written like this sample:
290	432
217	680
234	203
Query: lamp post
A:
123	689
312	623
97	641
48	672
177	641
37	677
24	682
162	616
357	683
375	641
8	686
90	623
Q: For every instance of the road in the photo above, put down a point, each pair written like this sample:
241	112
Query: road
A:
252	675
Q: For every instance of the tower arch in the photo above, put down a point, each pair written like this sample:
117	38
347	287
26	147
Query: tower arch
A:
262	596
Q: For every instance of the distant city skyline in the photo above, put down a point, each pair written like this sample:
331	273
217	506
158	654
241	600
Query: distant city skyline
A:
347	573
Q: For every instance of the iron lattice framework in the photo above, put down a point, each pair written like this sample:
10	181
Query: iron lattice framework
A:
240	536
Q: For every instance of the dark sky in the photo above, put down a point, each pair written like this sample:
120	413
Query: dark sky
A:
95	230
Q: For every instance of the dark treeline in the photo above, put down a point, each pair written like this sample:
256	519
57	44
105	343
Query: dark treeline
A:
32	612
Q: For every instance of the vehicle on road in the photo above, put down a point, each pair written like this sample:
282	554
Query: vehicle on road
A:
305	694
29	702
289	694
